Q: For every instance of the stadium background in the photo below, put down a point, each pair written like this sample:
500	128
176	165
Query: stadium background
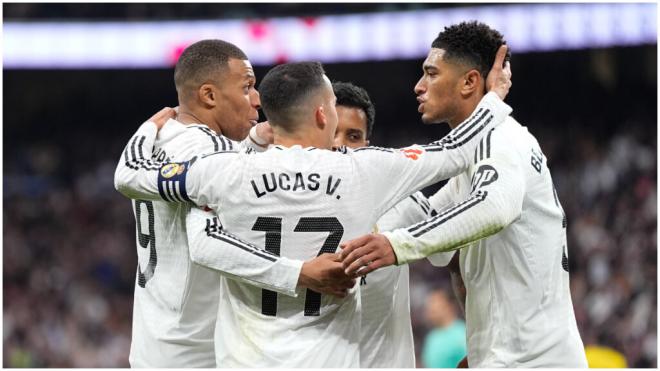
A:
69	257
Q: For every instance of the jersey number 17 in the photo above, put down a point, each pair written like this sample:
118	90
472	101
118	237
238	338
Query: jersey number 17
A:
273	228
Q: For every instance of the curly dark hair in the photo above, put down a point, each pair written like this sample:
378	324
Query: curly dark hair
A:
201	60
471	43
284	89
350	95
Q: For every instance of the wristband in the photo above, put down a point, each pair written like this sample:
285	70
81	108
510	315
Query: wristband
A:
255	138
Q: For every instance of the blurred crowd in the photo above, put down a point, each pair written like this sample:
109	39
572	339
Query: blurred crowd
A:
146	11
70	260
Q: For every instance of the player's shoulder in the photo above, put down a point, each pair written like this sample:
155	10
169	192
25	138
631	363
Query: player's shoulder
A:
508	137
507	130
369	154
202	135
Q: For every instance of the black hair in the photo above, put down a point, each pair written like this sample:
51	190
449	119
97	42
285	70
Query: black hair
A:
202	60
284	89
350	95
472	43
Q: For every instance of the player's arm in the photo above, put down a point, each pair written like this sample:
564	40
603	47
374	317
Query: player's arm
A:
498	187
213	247
495	201
409	169
439	202
442	199
138	177
136	173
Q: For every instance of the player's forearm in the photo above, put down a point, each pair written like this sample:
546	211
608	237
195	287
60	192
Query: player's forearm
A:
136	174
442	199
214	248
480	216
421	166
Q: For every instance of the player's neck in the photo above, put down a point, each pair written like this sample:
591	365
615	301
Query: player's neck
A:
188	116
465	110
301	139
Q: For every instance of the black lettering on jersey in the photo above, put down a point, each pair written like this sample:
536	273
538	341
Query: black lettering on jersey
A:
161	156
268	187
256	190
537	160
271	182
313	179
299	182
284	186
363	280
146	240
331	191
484	176
564	259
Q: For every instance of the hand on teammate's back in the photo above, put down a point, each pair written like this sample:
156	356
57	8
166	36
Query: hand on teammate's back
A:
499	77
161	117
366	254
325	274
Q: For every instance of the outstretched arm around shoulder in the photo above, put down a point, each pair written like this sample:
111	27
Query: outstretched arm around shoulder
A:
214	247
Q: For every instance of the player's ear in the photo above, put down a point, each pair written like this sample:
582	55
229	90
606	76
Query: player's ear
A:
366	142
321	118
207	95
470	82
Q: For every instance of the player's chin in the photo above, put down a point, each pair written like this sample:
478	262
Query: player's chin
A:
245	129
428	118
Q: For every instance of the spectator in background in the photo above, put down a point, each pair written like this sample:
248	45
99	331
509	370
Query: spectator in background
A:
445	345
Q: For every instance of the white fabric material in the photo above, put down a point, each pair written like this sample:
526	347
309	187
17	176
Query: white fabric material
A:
387	339
174	314
289	190
518	311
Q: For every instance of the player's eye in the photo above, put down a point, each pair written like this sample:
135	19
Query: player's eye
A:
354	137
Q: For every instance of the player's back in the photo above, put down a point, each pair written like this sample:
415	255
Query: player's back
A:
519	311
297	202
300	202
175	300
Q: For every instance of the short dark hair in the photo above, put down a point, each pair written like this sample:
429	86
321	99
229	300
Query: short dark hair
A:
284	89
472	43
201	60
350	95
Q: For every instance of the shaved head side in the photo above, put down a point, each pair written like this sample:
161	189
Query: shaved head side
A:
287	88
201	62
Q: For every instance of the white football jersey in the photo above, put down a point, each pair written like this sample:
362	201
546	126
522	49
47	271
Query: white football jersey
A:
175	300
387	340
519	311
299	203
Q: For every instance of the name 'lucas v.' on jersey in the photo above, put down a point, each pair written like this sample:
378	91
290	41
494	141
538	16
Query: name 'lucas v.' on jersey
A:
299	203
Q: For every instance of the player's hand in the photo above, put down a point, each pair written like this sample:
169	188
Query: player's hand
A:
161	117
366	254
264	133
499	77
325	274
